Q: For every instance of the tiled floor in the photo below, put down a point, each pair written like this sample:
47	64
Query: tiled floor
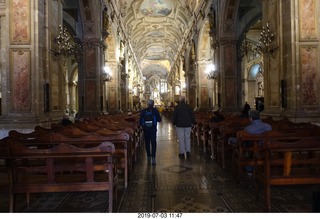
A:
197	184
200	185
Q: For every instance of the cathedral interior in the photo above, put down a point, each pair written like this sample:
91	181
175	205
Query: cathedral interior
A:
84	58
90	57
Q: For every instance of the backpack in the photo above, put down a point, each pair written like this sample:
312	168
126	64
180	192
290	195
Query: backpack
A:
149	119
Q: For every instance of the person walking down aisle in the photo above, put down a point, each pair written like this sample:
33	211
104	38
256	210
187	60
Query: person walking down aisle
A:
183	119
149	118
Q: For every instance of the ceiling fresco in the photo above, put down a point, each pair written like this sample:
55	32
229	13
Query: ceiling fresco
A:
156	8
156	29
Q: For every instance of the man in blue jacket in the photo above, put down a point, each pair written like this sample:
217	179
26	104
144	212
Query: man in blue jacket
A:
149	125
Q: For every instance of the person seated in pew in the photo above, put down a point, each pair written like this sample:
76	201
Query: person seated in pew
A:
65	120
217	117
256	127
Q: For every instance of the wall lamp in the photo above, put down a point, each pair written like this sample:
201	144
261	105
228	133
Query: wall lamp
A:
211	71
106	75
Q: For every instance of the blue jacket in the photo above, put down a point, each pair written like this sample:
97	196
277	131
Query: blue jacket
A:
155	112
257	127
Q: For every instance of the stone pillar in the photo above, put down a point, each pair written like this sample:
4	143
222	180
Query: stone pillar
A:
25	37
112	91
192	85
203	82
91	93
228	76
273	56
292	70
73	97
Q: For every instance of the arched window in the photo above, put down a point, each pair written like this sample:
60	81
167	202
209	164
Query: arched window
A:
253	72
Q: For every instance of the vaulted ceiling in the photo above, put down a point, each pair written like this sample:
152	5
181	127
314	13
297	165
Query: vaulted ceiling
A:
156	29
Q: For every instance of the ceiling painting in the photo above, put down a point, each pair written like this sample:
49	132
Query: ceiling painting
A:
156	8
155	34
155	53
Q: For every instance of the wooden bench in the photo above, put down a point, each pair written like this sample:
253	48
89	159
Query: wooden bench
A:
62	168
83	140
119	140
293	162
118	123
225	132
214	138
202	119
242	154
243	151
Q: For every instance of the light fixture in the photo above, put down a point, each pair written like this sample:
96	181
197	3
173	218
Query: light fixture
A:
247	46
211	72
67	44
265	40
106	75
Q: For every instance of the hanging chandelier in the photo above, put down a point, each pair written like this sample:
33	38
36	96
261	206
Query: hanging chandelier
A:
67	45
265	41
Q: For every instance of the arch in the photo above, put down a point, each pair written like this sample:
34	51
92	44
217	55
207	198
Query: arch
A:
248	16
254	71
205	51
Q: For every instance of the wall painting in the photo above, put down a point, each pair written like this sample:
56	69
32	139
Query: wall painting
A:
20	80
309	68
307	20
19	21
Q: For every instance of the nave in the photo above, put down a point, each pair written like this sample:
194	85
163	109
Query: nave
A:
197	185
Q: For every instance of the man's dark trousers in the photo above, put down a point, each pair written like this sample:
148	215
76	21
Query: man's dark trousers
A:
150	135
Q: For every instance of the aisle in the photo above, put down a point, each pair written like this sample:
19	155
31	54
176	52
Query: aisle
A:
200	185
175	185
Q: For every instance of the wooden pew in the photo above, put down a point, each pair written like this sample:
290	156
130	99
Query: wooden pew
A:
35	134
202	119
226	131
214	138
119	140
242	154
248	142
286	162
83	139
118	123
62	168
